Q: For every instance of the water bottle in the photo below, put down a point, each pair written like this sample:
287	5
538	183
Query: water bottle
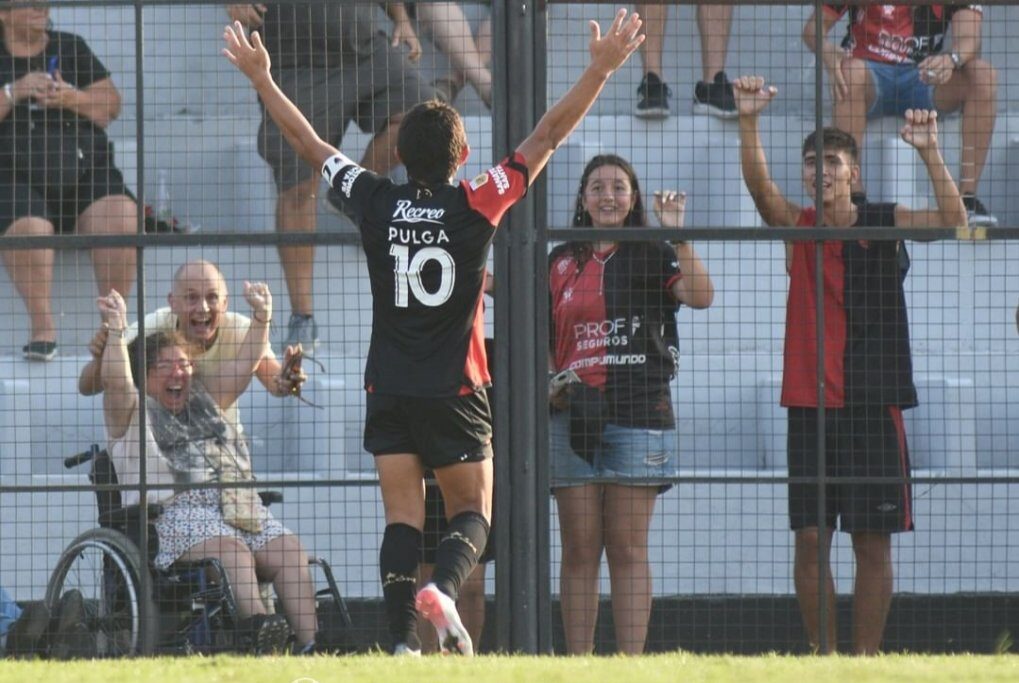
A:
163	211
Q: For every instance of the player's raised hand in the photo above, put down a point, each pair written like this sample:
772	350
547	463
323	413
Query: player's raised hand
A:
751	95
250	56
921	129
609	52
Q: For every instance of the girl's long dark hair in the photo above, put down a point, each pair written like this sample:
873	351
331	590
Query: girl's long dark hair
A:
581	251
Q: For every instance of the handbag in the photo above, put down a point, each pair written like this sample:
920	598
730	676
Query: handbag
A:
587	419
56	154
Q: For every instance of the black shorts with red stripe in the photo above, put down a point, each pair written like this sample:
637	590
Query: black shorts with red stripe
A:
860	442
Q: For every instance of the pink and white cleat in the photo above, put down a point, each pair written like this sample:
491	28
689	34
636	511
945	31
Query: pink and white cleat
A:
439	608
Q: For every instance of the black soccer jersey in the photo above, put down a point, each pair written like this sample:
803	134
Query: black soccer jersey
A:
427	250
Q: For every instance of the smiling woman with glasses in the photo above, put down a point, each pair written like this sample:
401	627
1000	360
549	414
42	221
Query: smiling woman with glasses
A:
190	441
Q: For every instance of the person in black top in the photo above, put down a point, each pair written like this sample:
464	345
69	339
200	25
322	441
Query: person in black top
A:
613	309
426	244
56	163
867	365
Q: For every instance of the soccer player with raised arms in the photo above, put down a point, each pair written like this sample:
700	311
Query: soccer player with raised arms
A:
426	244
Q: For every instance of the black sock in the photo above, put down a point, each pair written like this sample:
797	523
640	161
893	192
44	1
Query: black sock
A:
458	552
398	566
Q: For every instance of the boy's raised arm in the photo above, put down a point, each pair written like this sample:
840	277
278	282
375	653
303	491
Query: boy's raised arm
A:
921	132
751	99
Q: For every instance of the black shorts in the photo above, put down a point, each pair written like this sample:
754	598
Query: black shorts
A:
435	526
863	441
60	206
440	431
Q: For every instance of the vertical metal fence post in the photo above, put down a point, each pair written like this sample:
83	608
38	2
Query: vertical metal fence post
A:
522	552
139	82
823	550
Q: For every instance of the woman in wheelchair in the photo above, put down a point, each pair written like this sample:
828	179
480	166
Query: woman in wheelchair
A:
189	442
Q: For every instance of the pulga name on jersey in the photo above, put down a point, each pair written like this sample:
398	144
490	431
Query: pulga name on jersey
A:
406	212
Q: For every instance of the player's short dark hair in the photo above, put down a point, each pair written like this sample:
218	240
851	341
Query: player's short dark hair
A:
834	139
636	217
154	344
431	142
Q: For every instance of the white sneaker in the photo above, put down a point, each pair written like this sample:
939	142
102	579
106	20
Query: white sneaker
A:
439	608
405	650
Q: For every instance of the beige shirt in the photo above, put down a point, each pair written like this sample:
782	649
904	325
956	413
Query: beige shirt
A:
229	335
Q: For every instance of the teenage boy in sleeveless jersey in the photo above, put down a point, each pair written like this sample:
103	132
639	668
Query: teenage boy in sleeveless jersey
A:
867	367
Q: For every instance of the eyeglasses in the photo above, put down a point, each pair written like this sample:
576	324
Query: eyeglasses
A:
168	365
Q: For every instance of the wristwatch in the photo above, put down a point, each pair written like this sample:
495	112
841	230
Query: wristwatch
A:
956	60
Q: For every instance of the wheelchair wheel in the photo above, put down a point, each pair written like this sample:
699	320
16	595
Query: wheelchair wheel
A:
106	567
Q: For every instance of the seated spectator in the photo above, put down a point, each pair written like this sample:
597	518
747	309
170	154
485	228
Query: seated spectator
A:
892	59
613	334
190	441
198	310
369	81
57	172
449	29
713	94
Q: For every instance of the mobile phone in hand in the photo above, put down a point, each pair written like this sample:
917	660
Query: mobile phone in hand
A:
559	380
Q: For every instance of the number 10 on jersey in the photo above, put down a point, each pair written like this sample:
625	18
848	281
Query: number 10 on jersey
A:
408	275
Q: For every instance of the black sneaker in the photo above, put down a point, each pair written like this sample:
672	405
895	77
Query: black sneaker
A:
715	98
654	98
268	634
979	216
26	636
39	350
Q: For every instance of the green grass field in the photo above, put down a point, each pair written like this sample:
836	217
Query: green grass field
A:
649	669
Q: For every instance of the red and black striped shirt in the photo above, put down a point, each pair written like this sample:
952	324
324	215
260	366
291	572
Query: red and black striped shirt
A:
867	359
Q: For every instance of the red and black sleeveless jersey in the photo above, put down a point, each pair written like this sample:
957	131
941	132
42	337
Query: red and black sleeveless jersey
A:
867	358
427	250
614	324
896	34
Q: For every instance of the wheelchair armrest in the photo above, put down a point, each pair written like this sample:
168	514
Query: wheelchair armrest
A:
130	516
270	497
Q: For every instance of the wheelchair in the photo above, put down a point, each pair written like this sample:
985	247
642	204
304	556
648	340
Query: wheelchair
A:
132	608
